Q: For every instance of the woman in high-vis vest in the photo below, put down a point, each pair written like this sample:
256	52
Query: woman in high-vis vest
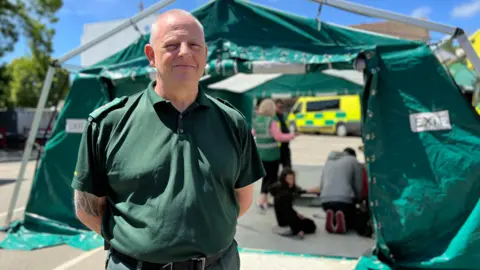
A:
267	136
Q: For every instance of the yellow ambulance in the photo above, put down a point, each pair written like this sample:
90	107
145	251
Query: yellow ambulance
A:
340	115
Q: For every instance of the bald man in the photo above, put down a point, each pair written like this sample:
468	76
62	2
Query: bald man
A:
163	175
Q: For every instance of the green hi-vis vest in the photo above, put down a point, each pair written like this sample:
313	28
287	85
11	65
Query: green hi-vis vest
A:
267	146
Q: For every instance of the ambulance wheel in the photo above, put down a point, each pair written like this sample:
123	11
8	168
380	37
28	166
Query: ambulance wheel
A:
341	130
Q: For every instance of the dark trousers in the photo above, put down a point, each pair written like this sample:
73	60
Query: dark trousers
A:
305	225
287	216
281	213
357	219
285	155
348	210
363	220
229	261
271	170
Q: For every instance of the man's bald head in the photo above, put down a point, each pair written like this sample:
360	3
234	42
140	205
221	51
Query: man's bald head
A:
177	50
169	15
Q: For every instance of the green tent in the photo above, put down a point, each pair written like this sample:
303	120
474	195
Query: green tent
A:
421	137
464	77
290	85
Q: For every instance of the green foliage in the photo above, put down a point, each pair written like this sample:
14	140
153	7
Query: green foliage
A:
22	79
27	17
4	87
8	32
27	76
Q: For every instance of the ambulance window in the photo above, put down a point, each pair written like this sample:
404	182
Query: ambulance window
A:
324	105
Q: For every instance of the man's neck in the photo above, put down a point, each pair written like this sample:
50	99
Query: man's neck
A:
180	97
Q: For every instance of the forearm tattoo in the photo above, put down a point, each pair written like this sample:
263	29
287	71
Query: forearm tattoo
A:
88	203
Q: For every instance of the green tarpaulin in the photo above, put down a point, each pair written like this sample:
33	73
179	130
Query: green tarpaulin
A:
421	137
464	77
288	85
421	151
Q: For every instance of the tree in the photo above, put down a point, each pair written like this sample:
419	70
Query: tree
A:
26	74
25	16
4	88
8	32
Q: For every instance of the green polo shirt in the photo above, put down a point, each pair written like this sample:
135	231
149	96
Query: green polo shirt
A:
169	177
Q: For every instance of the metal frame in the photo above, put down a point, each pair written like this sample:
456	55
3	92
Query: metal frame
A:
455	32
46	90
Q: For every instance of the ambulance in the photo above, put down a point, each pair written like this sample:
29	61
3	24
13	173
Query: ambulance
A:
340	115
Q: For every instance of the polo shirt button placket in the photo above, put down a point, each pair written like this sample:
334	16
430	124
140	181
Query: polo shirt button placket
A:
180	126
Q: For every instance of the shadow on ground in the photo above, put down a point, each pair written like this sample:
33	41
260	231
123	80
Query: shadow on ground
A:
16	155
255	228
6	181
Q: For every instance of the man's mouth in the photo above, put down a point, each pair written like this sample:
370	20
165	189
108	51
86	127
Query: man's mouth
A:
184	66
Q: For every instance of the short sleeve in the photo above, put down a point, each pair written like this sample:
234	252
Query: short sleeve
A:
88	175
251	168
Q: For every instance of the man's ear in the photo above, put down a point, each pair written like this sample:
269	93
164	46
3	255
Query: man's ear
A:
150	54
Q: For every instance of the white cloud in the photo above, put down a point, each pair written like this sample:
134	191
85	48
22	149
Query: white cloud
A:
422	12
466	10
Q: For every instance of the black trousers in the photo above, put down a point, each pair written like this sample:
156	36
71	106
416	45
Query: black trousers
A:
271	170
348	210
363	220
285	155
305	225
287	216
282	212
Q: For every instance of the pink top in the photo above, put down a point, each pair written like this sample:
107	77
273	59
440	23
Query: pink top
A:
277	133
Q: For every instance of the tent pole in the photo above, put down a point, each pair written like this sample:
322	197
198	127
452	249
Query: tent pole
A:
31	139
432	26
472	56
387	15
46	89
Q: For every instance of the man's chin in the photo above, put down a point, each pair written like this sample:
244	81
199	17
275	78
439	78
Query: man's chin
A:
185	79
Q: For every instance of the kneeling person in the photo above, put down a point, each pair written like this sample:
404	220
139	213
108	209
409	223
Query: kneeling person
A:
340	189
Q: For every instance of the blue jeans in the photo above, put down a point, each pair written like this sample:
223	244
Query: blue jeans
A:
229	261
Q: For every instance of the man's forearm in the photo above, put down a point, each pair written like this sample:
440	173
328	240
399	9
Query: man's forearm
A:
89	210
244	206
244	198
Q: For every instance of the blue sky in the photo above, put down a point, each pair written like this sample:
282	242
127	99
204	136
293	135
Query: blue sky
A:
75	13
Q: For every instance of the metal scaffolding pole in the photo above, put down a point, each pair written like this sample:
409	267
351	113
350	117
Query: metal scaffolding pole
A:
46	89
469	51
387	15
391	16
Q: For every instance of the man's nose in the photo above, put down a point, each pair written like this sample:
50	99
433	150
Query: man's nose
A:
184	49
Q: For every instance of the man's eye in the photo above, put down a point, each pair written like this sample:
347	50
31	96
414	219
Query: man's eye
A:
171	47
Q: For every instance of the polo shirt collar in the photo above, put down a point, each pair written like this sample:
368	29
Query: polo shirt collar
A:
201	99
